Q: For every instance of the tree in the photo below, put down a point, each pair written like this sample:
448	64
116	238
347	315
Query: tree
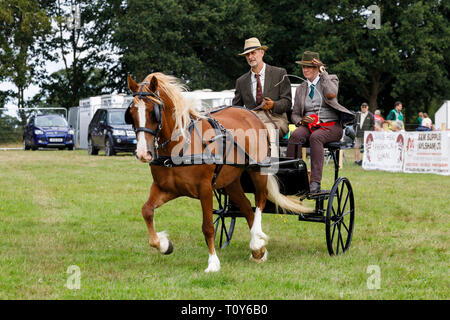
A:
23	26
287	31
395	62
197	41
81	41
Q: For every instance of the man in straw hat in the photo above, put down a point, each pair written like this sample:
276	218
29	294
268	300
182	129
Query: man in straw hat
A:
264	90
317	114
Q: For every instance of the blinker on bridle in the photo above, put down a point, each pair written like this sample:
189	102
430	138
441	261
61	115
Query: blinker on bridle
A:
157	107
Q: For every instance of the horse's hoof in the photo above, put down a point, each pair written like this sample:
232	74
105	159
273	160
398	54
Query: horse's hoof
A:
165	246
170	248
259	256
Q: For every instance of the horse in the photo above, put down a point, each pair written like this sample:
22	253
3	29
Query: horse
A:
163	122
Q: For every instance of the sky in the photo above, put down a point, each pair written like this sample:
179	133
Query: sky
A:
32	90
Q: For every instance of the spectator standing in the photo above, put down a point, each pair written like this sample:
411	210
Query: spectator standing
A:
396	113
378	118
364	122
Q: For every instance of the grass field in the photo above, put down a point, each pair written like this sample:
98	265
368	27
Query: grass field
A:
64	208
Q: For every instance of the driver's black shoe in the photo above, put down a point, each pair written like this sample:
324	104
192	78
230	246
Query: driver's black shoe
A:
314	187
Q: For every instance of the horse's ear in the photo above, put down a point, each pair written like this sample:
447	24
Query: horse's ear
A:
132	85
153	84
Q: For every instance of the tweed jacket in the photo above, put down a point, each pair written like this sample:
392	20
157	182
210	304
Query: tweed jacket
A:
329	84
281	94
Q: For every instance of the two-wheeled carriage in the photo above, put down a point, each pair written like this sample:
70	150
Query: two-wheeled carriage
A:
334	208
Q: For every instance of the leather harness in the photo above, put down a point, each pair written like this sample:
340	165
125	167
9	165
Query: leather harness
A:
224	138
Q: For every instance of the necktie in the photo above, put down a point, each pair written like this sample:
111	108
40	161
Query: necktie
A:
259	98
311	93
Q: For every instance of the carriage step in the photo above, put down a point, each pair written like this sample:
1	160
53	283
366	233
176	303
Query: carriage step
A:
322	195
312	217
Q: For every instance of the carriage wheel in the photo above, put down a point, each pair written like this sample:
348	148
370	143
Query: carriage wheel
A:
226	231
221	224
340	217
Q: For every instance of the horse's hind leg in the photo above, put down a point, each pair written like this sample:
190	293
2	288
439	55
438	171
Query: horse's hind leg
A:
258	237
208	228
157	198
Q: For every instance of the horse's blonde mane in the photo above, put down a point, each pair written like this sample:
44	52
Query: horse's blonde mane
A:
183	108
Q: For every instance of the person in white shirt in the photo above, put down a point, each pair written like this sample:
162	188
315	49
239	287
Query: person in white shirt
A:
266	90
426	121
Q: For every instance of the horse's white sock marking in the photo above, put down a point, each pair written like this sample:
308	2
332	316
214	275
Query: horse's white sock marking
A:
141	147
163	241
213	263
259	238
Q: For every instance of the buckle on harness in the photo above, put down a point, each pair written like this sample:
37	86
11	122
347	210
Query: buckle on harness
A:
168	163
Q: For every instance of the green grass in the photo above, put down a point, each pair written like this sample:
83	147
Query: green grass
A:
63	208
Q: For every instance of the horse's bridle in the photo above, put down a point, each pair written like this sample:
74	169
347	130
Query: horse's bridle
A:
157	107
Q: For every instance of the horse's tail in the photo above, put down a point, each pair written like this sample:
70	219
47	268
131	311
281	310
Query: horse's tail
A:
281	200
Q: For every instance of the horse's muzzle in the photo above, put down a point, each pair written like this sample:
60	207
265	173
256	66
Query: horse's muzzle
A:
144	157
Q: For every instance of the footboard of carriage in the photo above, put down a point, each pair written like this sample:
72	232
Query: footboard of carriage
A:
334	208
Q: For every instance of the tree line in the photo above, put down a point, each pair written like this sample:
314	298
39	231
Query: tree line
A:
99	42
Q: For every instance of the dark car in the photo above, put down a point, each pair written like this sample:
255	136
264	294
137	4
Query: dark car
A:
48	131
108	130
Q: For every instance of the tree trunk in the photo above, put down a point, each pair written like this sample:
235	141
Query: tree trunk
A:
373	104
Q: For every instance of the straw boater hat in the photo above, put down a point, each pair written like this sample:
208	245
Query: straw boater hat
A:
251	45
307	58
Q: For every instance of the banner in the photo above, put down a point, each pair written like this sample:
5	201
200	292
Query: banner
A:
383	151
413	152
427	152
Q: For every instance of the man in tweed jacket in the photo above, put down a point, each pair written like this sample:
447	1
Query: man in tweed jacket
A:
266	89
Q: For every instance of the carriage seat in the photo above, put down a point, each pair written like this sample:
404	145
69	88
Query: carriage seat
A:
333	147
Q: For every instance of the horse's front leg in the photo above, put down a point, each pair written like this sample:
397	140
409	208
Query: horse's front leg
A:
206	199
157	198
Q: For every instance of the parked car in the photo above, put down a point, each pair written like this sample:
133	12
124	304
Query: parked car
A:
48	131
108	130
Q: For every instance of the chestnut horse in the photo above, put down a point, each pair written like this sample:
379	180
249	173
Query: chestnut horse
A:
162	118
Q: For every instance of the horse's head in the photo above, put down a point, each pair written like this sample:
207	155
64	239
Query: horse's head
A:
145	114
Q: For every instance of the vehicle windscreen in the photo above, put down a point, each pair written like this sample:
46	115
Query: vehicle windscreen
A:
50	121
116	117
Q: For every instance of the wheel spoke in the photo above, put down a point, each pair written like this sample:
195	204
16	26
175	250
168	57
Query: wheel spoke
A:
332	236
216	226
343	223
338	237
345	202
342	241
226	232
342	191
346	213
334	212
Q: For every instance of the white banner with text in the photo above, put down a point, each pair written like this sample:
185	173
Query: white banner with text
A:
413	152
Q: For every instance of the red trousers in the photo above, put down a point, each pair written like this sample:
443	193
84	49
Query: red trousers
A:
316	139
